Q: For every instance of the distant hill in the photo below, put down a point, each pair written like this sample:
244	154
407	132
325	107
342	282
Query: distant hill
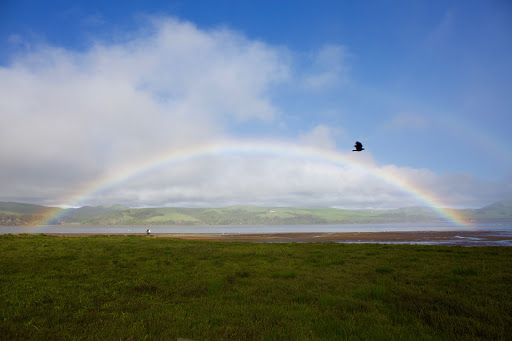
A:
27	214
498	211
15	207
78	215
14	214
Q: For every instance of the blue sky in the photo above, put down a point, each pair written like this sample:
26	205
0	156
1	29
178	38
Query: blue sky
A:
93	88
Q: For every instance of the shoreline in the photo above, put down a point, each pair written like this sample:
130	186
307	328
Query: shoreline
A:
407	237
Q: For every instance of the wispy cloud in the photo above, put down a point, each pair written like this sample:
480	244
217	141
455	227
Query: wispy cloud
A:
329	68
404	120
442	32
95	19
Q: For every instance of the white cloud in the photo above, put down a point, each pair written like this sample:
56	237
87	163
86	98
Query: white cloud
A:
295	180
87	113
69	119
320	136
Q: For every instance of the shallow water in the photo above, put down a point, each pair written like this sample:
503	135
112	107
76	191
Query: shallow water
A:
502	229
261	229
447	242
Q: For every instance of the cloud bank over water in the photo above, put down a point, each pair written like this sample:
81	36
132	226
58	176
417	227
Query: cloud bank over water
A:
69	118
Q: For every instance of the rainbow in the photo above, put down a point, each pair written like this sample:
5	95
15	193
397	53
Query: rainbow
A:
269	148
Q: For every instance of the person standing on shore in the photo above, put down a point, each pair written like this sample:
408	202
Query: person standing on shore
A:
148	232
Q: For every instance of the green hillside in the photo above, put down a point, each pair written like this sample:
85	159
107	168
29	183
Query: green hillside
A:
252	215
77	215
26	214
14	214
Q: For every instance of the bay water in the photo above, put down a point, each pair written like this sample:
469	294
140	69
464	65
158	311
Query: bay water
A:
261	229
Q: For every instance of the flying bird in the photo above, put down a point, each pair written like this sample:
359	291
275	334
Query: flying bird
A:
358	147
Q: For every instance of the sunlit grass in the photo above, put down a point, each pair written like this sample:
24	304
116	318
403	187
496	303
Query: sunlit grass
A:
125	287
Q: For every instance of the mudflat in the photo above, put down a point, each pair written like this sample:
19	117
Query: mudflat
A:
444	237
364	237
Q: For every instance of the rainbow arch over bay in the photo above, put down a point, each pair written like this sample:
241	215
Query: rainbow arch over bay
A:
268	148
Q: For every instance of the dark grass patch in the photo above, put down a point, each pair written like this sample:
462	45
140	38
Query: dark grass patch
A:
384	270
464	271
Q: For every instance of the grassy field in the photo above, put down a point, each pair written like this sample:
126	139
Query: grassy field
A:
140	288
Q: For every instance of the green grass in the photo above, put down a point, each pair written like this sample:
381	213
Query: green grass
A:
139	288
